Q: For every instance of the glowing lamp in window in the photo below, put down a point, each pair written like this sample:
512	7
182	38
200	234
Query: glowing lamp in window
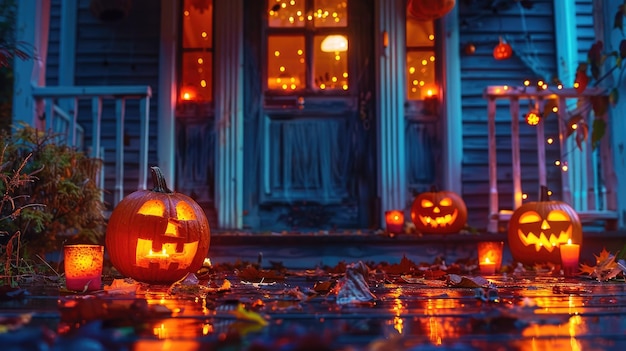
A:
157	236
335	43
188	93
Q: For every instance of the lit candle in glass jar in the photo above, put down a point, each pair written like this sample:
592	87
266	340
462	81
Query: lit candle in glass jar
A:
395	221
83	267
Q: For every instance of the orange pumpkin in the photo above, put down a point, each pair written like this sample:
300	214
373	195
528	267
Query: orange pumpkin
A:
439	212
503	50
537	229
428	10
157	236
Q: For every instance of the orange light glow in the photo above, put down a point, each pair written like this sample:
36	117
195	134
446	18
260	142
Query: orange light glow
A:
395	221
83	266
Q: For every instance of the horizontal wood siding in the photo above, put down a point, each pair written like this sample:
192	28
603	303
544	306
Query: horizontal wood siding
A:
120	53
52	61
585	34
531	34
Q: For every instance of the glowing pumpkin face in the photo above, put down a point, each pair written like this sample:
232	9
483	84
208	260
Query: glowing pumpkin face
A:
439	212
157	236
537	229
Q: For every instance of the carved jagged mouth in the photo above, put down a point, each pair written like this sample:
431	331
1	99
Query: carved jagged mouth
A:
439	221
543	241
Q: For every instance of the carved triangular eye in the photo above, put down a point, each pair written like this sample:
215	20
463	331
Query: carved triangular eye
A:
152	208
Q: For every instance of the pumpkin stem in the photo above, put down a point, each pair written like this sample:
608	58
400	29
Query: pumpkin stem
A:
159	181
544	195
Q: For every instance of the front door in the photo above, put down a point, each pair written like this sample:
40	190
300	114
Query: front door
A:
309	141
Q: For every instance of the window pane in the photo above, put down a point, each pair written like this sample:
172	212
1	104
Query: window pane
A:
420	74
285	62
198	24
286	13
330	67
330	13
197	74
419	33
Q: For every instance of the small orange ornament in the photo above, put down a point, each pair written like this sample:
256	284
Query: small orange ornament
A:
503	50
428	10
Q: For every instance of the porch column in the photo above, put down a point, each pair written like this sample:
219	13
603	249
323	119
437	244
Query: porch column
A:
451	111
170	12
228	88
567	56
604	14
390	85
32	27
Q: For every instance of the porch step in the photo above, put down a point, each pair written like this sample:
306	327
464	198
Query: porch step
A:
310	250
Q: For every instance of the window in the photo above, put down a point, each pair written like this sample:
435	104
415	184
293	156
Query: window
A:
197	51
307	45
420	59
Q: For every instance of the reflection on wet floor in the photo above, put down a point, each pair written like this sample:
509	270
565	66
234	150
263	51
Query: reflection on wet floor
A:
513	313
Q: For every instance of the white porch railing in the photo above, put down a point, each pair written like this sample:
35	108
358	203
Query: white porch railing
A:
65	122
589	183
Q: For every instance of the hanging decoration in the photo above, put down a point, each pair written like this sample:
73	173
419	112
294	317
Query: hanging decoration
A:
533	118
502	50
429	10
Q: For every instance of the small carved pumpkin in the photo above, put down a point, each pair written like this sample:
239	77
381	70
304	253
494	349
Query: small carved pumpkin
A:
428	10
502	50
537	229
439	212
157	236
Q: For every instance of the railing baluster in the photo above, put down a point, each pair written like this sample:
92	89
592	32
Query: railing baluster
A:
96	127
144	111
119	150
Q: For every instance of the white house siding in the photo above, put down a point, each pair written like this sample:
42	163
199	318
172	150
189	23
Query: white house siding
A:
120	53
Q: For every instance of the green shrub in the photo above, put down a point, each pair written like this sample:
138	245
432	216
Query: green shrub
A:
49	192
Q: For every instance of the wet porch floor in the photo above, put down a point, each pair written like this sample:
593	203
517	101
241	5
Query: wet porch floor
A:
299	309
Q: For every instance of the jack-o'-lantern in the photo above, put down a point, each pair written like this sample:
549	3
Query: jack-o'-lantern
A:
439	212
157	235
502	50
537	229
428	10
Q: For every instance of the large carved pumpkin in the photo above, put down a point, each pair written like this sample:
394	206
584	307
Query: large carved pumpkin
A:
157	236
439	212
537	229
428	10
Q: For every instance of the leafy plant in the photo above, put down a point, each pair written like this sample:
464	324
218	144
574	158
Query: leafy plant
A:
49	192
594	71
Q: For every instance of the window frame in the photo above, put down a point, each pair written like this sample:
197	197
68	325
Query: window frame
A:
309	32
181	50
